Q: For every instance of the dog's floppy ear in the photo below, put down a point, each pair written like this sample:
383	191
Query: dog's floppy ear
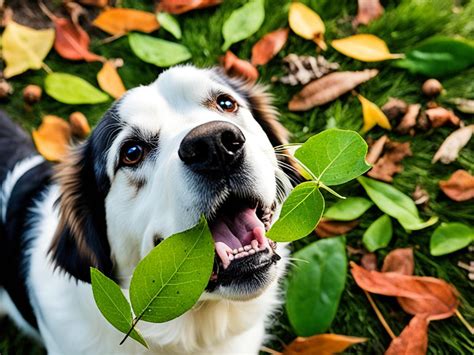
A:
81	236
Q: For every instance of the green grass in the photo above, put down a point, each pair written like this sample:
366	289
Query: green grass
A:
404	24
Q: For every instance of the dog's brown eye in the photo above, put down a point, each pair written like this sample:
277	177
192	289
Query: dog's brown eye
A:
132	153
226	103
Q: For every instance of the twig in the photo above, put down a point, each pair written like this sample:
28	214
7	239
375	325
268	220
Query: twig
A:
464	322
270	351
46	11
380	316
46	68
110	39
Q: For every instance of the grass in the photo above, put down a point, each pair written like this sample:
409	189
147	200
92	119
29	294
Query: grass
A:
404	24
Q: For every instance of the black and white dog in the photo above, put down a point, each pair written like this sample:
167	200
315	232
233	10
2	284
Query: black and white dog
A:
193	142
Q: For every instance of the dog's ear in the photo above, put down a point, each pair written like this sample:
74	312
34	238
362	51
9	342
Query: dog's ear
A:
80	241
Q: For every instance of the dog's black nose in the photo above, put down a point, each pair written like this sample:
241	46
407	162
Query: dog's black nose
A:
213	146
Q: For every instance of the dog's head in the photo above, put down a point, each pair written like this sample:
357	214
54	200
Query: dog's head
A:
193	142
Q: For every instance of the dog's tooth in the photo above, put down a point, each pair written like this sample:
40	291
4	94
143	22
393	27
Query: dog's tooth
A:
241	250
231	257
254	244
235	251
238	256
247	247
252	251
245	253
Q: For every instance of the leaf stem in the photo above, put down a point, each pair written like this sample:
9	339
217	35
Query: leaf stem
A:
464	322
46	68
46	11
380	315
269	350
134	323
331	191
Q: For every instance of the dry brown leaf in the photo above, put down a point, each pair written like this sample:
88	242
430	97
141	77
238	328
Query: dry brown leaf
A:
420	196
395	108
400	261
118	22
234	66
329	88
321	344
389	164
459	187
52	138
440	116
416	294
109	79
369	261
413	340
368	10
181	6
464	105
305	68
452	145
268	46
408	121
327	228
79	126
376	149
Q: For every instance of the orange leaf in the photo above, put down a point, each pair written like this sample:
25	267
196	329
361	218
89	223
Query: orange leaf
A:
400	261
321	344
109	79
415	294
79	126
121	21
459	187
52	138
368	10
413	340
180	6
268	46
234	66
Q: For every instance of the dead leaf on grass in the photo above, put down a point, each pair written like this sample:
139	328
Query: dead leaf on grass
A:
390	162
52	138
376	149
307	23
459	187
118	22
234	66
440	116
372	115
329	88
79	125
369	261
364	47
327	228
268	46
177	7
464	105
368	10
420	195
408	121
109	79
413	340
452	145
395	108
400	261
321	344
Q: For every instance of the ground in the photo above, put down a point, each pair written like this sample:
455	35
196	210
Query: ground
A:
405	24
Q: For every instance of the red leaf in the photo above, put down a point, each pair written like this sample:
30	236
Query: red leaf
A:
268	46
180	6
234	66
413	340
400	261
459	187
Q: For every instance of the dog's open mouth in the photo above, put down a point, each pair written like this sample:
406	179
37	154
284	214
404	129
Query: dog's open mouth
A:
238	229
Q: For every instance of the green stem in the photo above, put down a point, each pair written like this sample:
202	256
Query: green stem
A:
331	191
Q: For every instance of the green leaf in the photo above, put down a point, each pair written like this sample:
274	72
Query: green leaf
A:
439	56
349	209
169	23
172	277
334	156
113	305
315	286
395	203
157	51
72	90
300	213
379	234
450	237
243	23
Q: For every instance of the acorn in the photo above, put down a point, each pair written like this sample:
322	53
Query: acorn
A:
5	89
79	126
432	88
32	94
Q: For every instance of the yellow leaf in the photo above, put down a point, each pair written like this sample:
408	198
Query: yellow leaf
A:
24	48
364	47
373	115
52	138
110	81
307	23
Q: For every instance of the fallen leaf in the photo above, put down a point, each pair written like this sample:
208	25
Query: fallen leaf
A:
170	24
369	261
420	196
368	10
79	126
177	7
452	145
321	344
52	138
24	48
399	260
234	66
364	47
464	105
450	237
303	69
459	187
327	228
329	88
409	120
118	21
376	149
389	164
109	79
413	340
395	108
372	115
307	24
379	234
440	116
72	90
416	294
268	46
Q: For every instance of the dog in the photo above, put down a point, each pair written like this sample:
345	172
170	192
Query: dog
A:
194	142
